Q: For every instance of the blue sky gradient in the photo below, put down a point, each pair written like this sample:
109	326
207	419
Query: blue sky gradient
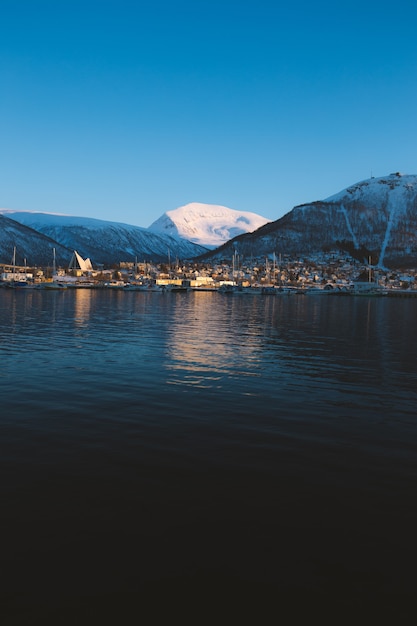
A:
123	110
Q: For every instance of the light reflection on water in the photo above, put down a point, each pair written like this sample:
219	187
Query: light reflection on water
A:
275	349
233	413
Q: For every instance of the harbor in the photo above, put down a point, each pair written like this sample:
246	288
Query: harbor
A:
325	276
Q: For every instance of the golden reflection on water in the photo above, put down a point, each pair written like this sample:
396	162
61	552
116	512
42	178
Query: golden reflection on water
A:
196	342
82	307
207	343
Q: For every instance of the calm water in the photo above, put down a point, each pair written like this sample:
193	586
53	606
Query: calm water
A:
206	438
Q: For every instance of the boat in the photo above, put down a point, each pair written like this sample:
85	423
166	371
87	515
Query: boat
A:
145	287
240	290
325	290
182	287
170	288
227	288
17	280
18	284
53	284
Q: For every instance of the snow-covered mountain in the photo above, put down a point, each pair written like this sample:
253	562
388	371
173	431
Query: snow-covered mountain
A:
376	217
208	225
31	245
103	241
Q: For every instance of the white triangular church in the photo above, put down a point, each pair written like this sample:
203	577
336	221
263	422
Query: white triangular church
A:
78	263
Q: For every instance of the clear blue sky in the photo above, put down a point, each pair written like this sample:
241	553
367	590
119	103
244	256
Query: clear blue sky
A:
123	110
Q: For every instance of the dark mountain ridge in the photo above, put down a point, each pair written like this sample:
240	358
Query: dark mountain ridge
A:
30	245
375	218
102	241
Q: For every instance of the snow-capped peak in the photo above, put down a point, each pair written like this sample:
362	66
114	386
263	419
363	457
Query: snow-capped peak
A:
102	241
377	188
207	224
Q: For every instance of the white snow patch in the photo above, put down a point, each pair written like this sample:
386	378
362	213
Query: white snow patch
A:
349	227
207	224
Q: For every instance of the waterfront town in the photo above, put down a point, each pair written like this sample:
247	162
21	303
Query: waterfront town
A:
331	273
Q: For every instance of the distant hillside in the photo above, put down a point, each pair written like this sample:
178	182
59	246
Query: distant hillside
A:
206	224
375	217
31	245
101	241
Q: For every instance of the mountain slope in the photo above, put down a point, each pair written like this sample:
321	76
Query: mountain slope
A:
206	224
105	242
375	217
31	245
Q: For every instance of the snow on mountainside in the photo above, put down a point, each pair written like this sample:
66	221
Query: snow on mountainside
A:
32	246
375	217
206	224
103	241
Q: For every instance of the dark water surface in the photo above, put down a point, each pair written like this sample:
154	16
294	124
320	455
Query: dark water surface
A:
207	441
